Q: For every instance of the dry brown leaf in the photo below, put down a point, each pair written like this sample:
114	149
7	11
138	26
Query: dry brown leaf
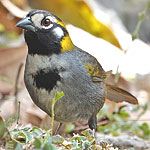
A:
15	11
5	88
7	19
10	105
19	3
78	13
10	59
29	112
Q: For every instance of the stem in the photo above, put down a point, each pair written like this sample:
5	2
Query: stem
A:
52	116
54	100
142	17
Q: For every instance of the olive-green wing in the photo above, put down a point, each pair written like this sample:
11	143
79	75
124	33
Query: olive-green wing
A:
95	70
113	93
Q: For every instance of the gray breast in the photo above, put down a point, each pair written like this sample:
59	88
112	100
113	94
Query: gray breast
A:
66	73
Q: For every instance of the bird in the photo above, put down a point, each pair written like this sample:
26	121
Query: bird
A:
54	64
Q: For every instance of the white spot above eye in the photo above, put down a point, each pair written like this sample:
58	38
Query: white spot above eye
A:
37	18
58	32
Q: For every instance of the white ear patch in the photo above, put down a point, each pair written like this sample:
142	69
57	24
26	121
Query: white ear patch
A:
58	32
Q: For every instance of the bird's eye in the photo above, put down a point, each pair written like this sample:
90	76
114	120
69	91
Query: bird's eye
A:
46	22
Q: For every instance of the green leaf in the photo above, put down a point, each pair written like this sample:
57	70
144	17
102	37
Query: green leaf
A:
85	145
87	132
57	139
58	96
37	131
47	143
28	136
124	114
37	143
83	138
18	147
47	138
47	146
116	132
145	128
28	129
20	137
75	143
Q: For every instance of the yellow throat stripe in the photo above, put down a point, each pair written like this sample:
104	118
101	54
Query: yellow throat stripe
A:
66	42
61	23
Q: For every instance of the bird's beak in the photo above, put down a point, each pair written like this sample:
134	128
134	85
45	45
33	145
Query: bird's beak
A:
26	24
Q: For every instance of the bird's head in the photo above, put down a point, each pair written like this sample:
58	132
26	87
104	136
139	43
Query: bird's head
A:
45	33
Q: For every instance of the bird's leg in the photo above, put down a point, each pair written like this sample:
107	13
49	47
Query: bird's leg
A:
92	122
58	128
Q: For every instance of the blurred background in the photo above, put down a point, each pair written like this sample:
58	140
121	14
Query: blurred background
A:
116	32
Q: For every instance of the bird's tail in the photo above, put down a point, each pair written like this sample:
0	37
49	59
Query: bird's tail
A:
117	95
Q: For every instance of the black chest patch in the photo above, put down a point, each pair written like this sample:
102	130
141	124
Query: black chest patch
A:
46	79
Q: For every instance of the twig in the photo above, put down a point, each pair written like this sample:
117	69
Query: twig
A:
17	104
18	112
17	79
